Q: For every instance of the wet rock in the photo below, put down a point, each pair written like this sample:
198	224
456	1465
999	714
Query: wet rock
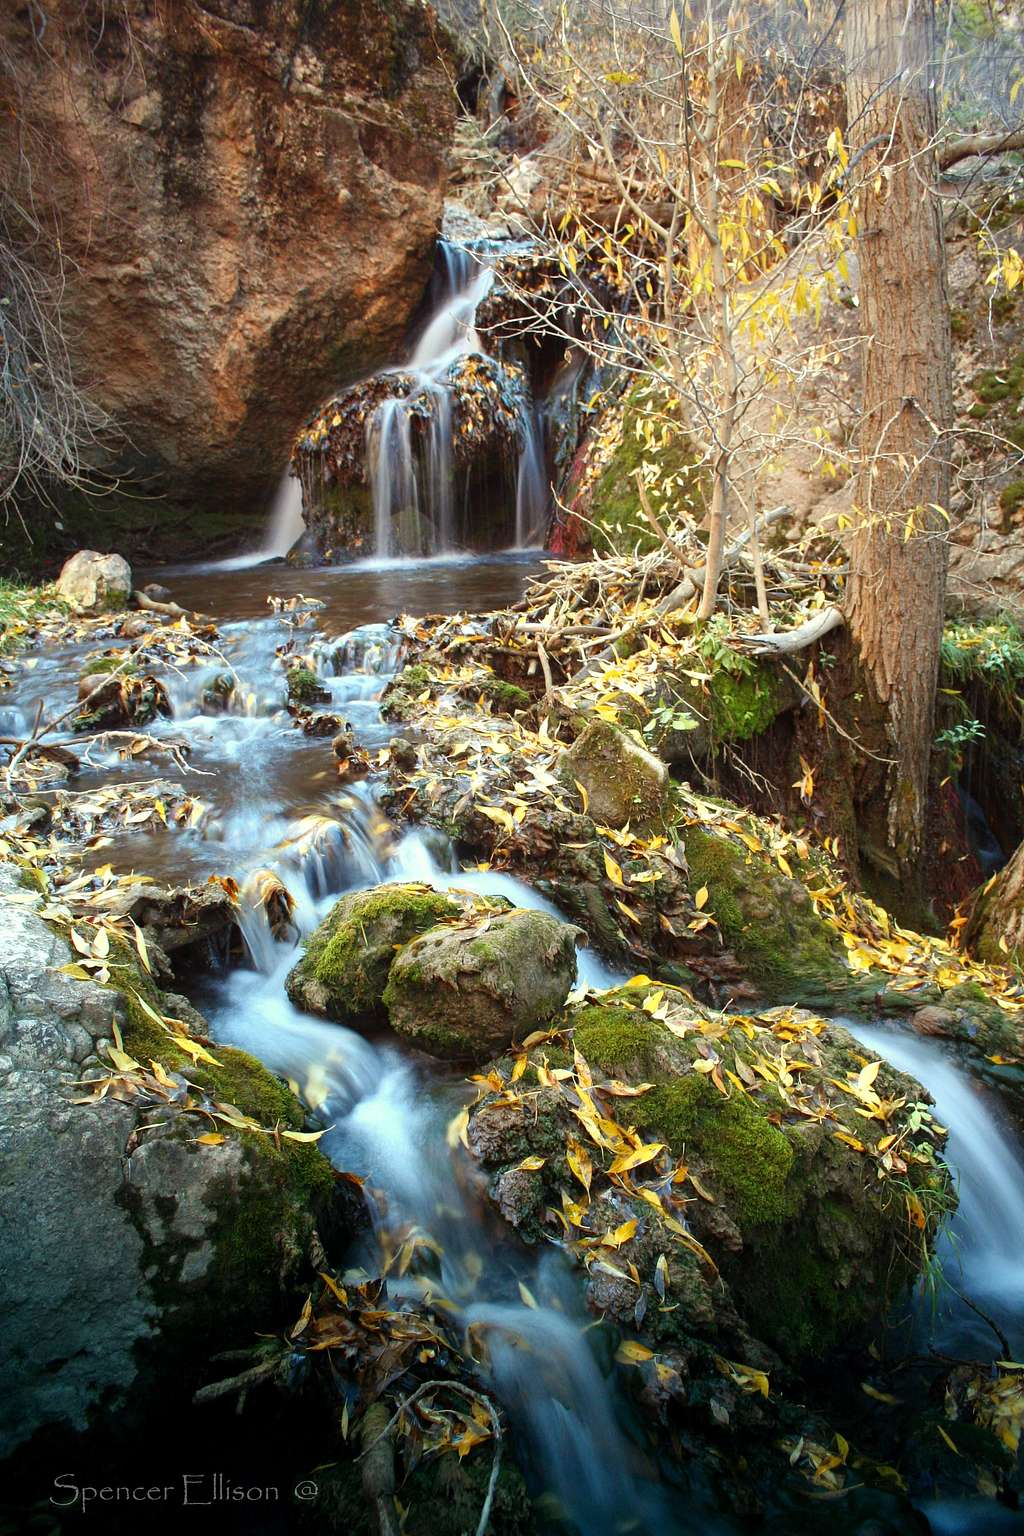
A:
176	917
135	1256
466	992
120	702
344	970
159	594
304	687
216	697
800	1223
934	1020
402	754
95	583
344	743
624	782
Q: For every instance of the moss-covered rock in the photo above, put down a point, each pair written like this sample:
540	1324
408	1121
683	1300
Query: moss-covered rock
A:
767	919
466	992
787	1188
304	687
344	970
611	503
624	782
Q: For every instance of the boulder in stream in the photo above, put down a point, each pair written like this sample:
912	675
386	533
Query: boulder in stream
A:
95	583
792	1182
465	991
344	970
624	782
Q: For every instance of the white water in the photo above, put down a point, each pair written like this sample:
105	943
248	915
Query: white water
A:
981	1249
413	488
387	1124
286	526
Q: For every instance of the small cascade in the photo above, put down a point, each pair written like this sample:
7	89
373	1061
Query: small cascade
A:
980	1250
531	483
285	526
410	438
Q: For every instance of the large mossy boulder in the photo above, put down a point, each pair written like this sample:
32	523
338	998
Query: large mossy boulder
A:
344	970
809	1174
624	783
465	993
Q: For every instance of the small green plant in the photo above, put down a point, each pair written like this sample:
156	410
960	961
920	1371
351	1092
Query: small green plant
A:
956	738
670	717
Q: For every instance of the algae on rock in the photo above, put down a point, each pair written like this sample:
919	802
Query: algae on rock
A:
344	970
624	783
466	992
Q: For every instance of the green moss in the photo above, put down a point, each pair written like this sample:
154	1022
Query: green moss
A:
680	485
767	920
350	954
1011	498
304	686
961	324
506	697
617	1038
750	1157
743	705
994	385
97	666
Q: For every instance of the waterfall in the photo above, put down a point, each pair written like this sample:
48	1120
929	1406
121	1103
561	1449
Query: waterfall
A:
413	485
531	486
285	526
980	1250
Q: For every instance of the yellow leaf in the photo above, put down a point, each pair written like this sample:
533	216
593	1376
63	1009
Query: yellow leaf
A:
304	1135
947	1439
528	1298
674	28
631	1351
879	1397
457	1129
612	870
530	1164
210	1139
583	795
644	1154
621	1234
700	900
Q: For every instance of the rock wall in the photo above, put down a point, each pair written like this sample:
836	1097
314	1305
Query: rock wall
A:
247	194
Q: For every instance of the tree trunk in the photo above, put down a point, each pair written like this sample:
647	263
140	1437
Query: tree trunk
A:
898	552
996	929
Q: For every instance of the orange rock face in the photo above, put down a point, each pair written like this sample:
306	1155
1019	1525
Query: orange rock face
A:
247	193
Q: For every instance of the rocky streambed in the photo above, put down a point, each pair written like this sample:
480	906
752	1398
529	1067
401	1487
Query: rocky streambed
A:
433	1077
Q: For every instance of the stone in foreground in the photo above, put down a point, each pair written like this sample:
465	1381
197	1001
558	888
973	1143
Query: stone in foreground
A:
95	583
345	967
464	993
624	782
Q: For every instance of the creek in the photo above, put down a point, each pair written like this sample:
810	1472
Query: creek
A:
275	804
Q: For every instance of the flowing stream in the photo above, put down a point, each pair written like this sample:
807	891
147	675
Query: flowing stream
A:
275	804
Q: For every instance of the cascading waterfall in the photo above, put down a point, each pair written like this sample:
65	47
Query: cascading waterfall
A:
980	1249
286	526
388	1126
413	491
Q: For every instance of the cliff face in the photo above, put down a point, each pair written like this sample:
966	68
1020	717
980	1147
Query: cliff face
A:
247	194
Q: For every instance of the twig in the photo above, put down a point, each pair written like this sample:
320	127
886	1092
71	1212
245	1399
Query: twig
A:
477	1397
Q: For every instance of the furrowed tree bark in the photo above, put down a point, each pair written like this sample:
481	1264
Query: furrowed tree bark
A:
996	928
898	552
